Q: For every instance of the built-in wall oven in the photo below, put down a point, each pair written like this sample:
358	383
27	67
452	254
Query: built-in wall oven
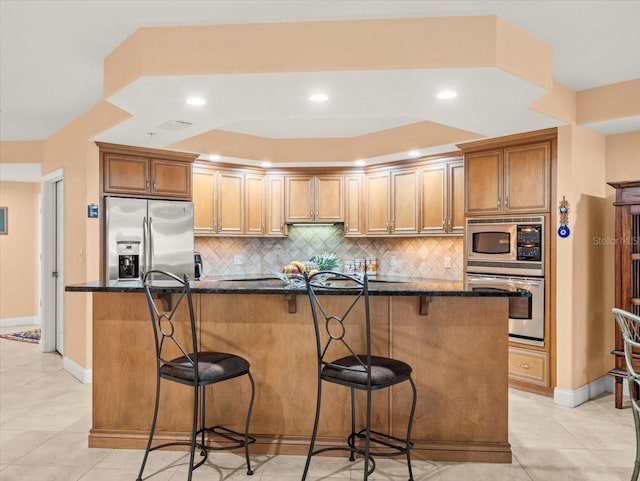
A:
507	253
526	314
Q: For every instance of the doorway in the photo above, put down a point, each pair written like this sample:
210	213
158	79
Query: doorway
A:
52	273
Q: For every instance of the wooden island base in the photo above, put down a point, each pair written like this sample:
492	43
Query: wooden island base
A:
457	348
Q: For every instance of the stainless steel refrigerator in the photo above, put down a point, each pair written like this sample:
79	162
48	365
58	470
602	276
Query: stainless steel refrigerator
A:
142	234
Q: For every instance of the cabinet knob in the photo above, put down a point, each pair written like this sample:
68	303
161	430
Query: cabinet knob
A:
450	225
154	185
499	201
506	202
146	183
524	365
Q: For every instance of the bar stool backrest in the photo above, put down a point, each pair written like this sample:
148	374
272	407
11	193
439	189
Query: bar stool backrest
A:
165	323
342	328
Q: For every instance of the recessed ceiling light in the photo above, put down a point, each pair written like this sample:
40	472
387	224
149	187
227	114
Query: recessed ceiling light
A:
196	101
360	162
319	97
414	153
447	94
266	163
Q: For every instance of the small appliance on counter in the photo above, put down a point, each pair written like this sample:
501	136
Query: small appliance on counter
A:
197	265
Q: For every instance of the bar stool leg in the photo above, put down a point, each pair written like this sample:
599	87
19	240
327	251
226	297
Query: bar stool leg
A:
153	429
367	441
352	455
410	426
315	430
194	430
246	426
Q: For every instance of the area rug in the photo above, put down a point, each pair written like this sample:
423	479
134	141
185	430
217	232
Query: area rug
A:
31	335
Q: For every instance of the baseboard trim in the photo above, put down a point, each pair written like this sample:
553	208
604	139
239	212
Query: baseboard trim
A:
572	398
611	385
83	375
19	321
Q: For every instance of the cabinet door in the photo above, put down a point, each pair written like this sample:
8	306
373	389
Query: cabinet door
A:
299	205
455	198
434	212
254	204
329	198
527	178
204	214
483	172
404	202
275	206
125	174
230	203
171	179
353	219
377	205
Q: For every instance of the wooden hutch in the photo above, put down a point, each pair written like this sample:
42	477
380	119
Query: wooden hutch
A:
627	269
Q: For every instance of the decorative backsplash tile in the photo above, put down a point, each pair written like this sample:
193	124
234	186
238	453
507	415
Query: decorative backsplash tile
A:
410	256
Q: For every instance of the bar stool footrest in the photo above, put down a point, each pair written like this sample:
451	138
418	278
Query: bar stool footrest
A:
234	437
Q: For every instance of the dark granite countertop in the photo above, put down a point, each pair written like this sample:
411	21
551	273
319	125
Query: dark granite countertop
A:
272	284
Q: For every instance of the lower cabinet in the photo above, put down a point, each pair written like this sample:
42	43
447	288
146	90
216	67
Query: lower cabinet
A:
529	366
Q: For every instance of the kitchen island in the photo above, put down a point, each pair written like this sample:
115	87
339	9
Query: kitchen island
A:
455	340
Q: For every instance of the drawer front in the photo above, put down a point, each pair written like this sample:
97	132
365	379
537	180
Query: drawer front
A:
529	366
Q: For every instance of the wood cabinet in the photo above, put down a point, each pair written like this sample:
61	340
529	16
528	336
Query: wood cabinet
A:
509	180
392	202
228	202
627	271
442	198
314	198
275	206
147	173
353	206
529	366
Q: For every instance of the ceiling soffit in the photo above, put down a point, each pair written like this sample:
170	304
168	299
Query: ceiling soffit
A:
485	42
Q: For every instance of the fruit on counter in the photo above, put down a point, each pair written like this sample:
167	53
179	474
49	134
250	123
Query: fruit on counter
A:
290	269
301	268
313	271
326	261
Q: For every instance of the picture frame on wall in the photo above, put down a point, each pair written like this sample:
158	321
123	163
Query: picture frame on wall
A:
3	220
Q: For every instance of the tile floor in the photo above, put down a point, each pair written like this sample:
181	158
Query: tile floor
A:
45	415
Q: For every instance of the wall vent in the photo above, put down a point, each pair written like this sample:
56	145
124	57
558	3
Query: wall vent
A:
175	125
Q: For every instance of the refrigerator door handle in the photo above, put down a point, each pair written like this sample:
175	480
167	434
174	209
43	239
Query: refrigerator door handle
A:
150	254
144	244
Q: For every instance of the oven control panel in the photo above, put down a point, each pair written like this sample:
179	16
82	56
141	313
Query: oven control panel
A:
529	242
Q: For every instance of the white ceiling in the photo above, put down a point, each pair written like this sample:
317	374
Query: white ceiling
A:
52	52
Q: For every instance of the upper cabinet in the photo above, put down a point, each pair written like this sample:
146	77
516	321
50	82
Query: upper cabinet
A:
509	179
392	202
228	202
442	198
142	172
314	198
353	205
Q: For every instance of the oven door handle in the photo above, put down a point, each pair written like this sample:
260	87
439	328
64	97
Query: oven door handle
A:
526	283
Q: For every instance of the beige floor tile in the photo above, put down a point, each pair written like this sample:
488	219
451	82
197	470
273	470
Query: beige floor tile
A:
17	472
45	416
65	449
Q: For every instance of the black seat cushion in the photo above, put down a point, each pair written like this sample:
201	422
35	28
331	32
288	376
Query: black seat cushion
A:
384	371
212	367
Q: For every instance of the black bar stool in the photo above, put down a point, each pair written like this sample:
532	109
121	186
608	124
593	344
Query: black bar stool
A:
194	368
363	371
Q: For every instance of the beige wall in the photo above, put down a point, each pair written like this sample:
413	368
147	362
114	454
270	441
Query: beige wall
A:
581	353
19	252
585	329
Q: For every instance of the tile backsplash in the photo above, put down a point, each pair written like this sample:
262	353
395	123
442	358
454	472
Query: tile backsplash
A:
401	256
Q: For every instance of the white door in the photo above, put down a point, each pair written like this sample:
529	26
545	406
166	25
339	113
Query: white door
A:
59	267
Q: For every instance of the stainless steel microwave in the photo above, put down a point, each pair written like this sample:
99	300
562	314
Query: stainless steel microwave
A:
507	245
